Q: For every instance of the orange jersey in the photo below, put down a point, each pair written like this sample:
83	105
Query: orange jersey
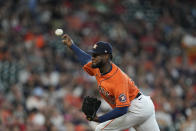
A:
115	87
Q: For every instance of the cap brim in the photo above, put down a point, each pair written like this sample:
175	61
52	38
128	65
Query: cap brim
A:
93	52
90	52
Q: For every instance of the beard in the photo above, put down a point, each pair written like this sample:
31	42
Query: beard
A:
97	65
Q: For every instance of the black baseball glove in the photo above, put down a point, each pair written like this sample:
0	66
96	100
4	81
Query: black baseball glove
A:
90	106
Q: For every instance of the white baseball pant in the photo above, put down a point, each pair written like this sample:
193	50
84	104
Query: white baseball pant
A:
140	115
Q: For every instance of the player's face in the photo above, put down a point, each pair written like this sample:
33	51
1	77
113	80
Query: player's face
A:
98	60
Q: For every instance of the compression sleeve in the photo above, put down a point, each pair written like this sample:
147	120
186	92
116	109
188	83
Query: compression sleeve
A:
116	112
82	56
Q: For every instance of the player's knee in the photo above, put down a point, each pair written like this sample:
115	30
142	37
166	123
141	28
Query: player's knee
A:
98	128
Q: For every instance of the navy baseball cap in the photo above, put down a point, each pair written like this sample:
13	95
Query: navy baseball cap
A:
101	48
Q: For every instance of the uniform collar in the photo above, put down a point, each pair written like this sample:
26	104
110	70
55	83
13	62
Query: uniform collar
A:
110	73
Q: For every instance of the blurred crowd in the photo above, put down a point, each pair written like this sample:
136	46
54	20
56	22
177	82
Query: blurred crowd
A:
42	85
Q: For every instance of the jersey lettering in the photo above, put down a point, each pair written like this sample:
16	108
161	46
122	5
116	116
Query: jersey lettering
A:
106	94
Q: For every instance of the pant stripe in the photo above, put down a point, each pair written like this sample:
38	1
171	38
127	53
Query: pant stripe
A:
107	124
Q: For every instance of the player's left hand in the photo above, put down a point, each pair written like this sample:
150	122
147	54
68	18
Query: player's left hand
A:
96	119
90	106
93	119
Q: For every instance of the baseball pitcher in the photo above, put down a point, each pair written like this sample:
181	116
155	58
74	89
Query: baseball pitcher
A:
130	108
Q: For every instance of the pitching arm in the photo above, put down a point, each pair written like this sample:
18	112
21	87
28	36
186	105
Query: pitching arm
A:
82	56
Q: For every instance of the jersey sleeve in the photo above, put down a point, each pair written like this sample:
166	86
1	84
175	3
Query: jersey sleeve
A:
82	56
87	67
122	93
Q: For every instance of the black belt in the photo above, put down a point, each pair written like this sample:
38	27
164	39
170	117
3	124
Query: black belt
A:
139	94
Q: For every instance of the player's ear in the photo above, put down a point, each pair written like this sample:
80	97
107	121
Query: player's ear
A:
111	56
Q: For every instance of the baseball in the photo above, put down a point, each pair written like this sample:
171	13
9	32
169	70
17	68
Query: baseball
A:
58	32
